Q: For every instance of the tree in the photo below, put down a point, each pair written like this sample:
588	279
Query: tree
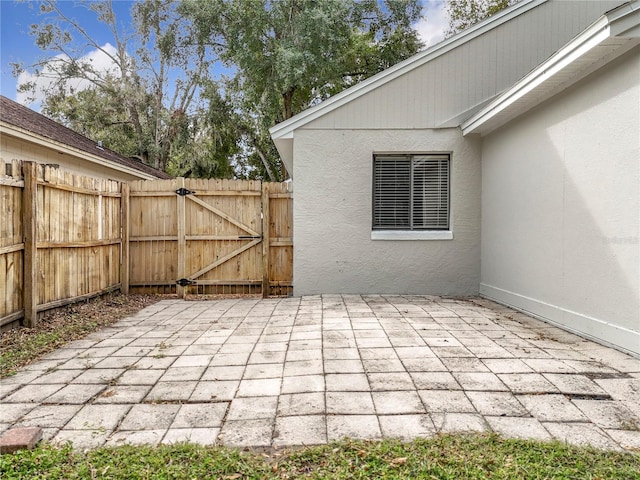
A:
141	105
157	100
291	54
465	13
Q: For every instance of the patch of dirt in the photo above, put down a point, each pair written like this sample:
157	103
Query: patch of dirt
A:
65	324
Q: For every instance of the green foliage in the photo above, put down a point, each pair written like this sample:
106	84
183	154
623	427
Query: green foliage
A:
465	13
132	106
97	115
217	143
442	457
290	54
158	100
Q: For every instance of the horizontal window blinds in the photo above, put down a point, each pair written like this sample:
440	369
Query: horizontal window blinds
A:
411	192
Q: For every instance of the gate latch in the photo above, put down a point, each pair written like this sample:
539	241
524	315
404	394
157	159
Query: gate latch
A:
184	191
183	282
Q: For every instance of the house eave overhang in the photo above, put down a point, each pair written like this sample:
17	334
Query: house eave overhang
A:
286	128
21	134
608	37
285	149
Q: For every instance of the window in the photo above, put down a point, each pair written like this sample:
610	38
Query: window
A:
411	192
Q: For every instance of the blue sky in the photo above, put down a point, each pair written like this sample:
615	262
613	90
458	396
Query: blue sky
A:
16	45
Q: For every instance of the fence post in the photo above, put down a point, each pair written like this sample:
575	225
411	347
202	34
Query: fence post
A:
124	238
29	232
182	241
266	288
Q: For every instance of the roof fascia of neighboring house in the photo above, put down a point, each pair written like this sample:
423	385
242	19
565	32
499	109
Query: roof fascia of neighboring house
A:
284	130
12	130
608	37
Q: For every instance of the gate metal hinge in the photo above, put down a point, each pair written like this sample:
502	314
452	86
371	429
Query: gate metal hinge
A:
183	282
184	191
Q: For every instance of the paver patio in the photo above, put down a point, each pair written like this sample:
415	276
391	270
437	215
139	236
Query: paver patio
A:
301	371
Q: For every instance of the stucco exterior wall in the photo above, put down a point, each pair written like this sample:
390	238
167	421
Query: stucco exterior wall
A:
15	148
333	250
561	207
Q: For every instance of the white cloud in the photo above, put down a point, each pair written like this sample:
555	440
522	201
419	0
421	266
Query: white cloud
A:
434	22
99	60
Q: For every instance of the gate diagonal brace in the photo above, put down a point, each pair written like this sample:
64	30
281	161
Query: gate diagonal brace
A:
184	191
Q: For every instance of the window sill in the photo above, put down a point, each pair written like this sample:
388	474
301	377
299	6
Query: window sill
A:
411	235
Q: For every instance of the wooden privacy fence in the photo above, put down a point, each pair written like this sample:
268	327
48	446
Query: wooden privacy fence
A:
59	239
65	238
210	236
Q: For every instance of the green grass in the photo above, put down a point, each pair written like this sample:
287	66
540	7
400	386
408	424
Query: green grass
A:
452	457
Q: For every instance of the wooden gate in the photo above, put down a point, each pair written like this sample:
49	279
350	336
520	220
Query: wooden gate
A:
196	236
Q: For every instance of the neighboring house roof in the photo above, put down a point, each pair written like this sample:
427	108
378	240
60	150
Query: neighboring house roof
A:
22	122
613	34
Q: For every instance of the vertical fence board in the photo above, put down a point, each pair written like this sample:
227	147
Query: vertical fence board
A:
29	217
182	241
124	243
11	241
266	240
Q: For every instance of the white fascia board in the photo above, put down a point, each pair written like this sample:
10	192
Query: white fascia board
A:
8	129
284	128
591	37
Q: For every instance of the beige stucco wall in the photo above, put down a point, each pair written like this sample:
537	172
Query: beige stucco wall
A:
561	207
333	250
15	148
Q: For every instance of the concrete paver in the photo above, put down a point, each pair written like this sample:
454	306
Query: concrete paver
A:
82	439
518	427
49	416
497	404
201	436
347	382
171	391
300	430
97	417
301	404
435	381
353	426
303	383
407	427
253	408
442	401
552	408
459	422
301	371
123	394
